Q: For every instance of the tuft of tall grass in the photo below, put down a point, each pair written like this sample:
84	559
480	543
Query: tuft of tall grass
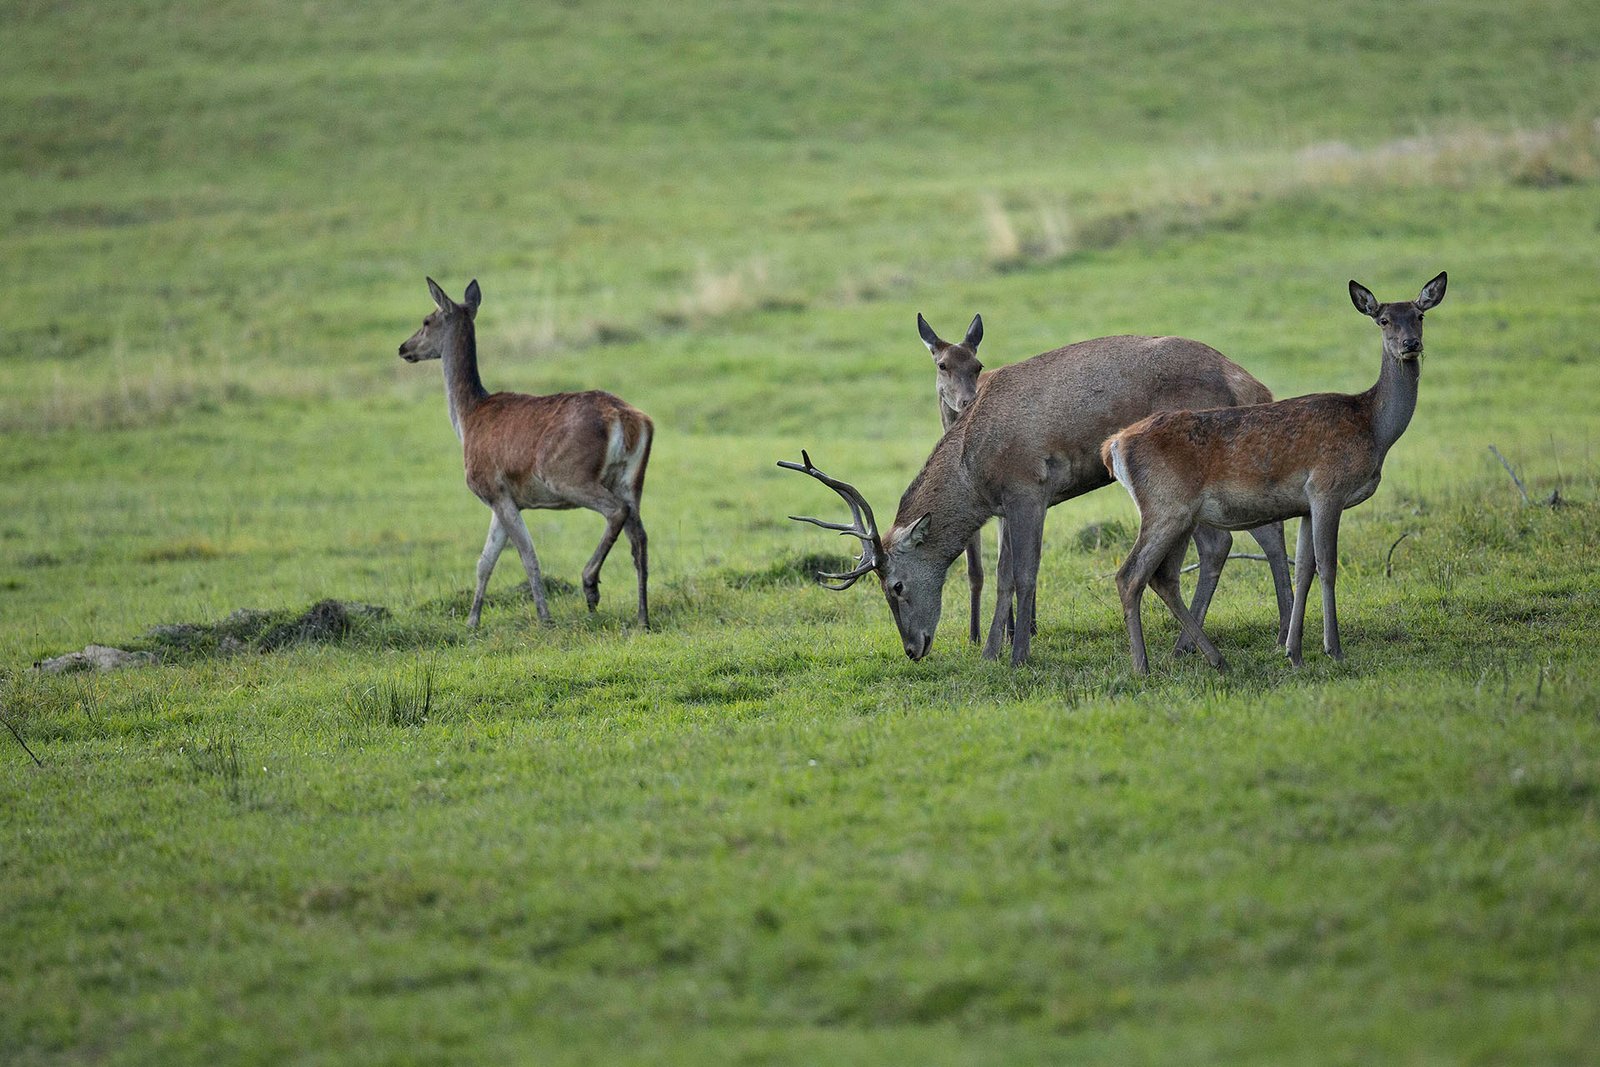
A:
401	701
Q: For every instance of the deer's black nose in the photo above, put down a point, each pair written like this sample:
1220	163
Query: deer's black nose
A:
1412	346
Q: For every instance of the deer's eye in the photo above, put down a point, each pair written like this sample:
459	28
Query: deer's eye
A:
944	366
1419	316
898	588
1383	321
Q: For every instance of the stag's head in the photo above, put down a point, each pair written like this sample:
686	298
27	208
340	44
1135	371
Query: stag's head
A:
429	341
958	365
1400	322
912	579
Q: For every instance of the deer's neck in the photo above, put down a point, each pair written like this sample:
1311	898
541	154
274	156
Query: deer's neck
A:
463	389
1394	400
944	490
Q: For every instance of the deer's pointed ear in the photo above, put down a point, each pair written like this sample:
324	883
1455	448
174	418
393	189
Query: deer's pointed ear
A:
473	298
919	530
974	333
444	303
1432	293
929	338
1363	299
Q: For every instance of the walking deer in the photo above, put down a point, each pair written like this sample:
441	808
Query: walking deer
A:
1029	440
565	450
1311	456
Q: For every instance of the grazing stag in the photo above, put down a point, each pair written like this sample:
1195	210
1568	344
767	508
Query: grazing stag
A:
1029	440
1311	457
566	450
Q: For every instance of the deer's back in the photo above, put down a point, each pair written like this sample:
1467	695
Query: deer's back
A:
539	446
1242	466
1045	418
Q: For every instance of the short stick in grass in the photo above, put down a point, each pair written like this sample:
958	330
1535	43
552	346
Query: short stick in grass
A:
1310	457
565	450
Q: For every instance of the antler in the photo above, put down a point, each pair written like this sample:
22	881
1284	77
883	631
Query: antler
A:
864	526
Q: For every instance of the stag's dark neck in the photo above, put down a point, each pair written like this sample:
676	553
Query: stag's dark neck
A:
944	490
1394	400
463	389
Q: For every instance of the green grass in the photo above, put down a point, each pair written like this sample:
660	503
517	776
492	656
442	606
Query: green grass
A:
758	833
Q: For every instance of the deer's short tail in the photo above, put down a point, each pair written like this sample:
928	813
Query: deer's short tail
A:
628	451
1114	454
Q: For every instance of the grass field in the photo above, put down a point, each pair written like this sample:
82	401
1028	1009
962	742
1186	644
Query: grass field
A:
757	833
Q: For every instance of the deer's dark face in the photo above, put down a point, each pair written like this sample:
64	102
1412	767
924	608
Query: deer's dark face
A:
958	370
429	341
913	584
956	364
425	343
1401	322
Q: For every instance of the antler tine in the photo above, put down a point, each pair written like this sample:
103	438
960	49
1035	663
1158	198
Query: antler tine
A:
865	526
859	507
843	528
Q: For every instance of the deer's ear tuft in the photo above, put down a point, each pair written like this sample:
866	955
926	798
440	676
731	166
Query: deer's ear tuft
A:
974	333
443	302
1363	299
1432	293
929	338
919	530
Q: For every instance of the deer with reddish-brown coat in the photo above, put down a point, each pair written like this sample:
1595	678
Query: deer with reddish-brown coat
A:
1309	457
565	450
1028	440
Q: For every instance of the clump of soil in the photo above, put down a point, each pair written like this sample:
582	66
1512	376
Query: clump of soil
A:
325	622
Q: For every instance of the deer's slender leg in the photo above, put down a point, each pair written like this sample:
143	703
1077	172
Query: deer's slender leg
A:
1165	582
1212	546
1153	545
1305	568
1003	593
1025	535
511	519
975	584
1270	538
616	513
641	562
1325	542
491	553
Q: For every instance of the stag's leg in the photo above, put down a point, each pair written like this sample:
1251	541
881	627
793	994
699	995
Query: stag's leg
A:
999	628
491	552
641	563
975	584
1025	535
1212	546
1305	568
1270	538
511	519
1165	582
1325	542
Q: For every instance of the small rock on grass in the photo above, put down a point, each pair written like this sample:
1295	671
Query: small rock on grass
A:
94	658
